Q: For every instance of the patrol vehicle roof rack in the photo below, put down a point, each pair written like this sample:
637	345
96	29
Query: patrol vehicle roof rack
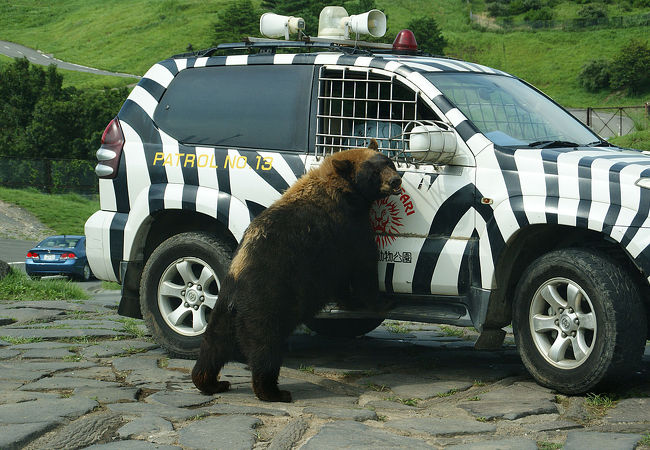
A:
264	45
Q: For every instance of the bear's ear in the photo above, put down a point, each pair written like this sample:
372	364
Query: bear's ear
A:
344	168
373	145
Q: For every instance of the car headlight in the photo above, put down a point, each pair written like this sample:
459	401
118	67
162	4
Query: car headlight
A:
643	182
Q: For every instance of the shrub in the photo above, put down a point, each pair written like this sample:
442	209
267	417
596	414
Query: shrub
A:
595	75
428	35
539	15
498	9
592	12
630	68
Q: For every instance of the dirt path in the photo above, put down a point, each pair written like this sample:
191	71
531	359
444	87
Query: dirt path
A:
16	223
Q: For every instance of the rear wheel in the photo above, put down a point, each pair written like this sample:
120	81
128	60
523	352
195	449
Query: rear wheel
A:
180	286
86	274
343	327
579	321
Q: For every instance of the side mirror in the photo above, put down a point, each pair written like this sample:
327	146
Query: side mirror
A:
433	143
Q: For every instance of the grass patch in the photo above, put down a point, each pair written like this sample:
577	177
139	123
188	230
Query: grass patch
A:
645	441
639	140
377	387
21	340
111	286
544	445
130	350
76	357
598	404
18	286
452	331
132	326
449	393
306	369
403	401
63	213
397	327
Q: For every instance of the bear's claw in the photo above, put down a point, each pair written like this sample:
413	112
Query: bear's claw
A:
204	384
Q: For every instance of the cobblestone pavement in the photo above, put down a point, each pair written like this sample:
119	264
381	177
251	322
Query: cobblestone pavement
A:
73	374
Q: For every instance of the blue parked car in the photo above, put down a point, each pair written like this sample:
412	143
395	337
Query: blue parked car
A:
59	255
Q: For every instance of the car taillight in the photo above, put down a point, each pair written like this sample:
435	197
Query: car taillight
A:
32	255
110	151
68	256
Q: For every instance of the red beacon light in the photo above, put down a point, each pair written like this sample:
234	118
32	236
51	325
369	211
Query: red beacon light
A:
405	42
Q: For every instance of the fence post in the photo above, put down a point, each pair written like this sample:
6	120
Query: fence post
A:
48	175
620	121
589	116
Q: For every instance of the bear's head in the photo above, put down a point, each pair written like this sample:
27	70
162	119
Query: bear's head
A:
369	173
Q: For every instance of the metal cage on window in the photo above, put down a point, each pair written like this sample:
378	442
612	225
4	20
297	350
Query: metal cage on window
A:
355	105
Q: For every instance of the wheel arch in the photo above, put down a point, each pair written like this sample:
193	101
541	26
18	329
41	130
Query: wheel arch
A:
532	241
211	210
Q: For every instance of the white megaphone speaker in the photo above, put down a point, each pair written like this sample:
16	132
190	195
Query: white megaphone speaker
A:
372	22
275	25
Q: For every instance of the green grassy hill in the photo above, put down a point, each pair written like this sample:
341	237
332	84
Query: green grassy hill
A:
131	35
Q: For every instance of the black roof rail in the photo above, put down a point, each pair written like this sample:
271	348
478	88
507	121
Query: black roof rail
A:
271	45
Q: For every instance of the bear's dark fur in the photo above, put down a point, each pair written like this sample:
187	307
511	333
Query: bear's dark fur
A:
312	246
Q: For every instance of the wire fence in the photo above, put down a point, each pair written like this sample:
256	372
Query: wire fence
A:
615	120
49	175
509	24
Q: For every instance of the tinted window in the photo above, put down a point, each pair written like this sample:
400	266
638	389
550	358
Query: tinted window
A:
60	241
264	107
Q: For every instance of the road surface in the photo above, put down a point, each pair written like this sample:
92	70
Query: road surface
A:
37	57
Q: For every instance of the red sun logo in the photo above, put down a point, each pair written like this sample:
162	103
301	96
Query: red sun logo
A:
386	221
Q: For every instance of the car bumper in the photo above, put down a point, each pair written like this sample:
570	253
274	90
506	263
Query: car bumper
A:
98	246
69	267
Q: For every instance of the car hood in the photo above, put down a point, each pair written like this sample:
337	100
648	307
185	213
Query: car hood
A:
588	174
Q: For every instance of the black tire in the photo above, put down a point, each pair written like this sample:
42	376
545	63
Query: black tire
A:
343	327
578	320
87	274
192	266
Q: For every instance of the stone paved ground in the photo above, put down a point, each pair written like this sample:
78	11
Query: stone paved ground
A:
74	375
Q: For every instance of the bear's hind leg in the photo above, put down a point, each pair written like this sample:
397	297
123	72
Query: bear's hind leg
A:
216	350
265	385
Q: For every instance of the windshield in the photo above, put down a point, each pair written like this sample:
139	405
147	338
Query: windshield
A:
510	113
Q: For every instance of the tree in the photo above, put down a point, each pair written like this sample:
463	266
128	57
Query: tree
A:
630	68
240	19
428	35
39	118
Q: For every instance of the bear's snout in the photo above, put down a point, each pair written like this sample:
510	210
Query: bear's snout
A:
395	184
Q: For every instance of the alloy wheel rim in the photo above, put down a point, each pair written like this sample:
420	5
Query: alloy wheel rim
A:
187	292
563	323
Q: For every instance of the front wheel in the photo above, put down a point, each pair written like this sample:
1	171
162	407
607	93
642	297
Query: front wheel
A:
578	320
180	286
343	327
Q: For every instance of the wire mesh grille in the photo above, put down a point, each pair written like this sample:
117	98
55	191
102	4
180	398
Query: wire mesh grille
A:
357	105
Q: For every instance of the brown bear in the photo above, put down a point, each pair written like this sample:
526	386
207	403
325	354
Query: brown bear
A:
312	246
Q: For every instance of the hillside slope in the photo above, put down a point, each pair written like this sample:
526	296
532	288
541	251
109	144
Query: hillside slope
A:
130	35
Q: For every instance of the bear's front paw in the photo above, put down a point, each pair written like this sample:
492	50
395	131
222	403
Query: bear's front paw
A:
276	396
209	384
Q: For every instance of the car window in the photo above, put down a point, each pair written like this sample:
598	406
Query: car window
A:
264	107
356	105
60	242
509	112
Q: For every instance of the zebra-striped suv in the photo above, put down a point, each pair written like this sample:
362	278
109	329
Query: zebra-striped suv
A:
511	210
